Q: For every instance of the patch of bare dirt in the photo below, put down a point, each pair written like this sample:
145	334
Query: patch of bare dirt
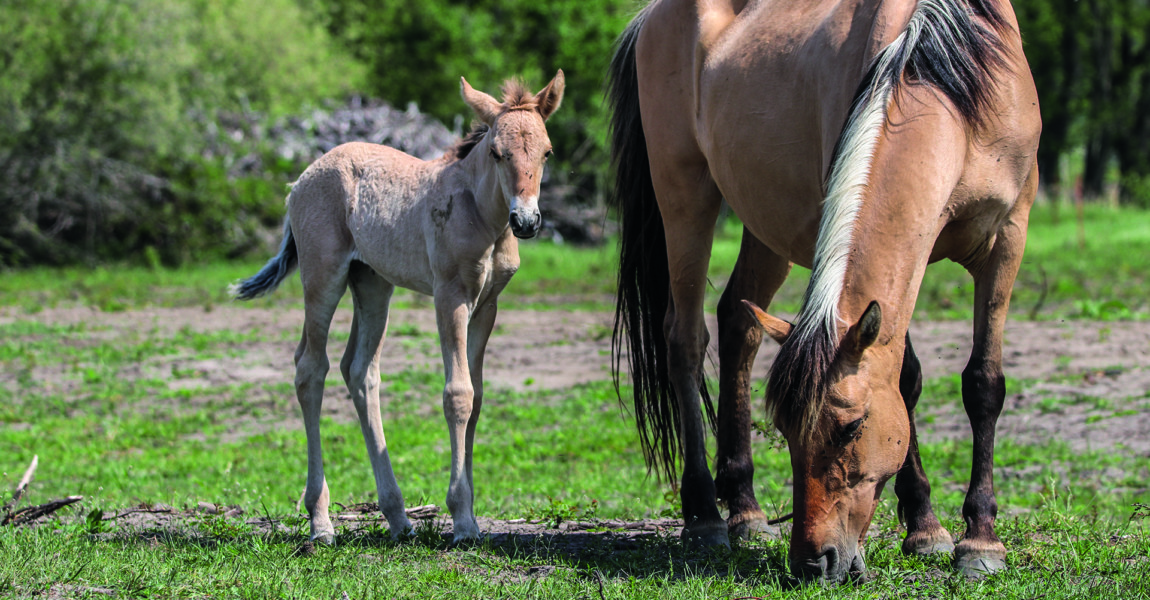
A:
1087	383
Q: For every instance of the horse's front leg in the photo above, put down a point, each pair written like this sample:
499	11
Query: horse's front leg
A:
757	276
452	315
924	534
984	389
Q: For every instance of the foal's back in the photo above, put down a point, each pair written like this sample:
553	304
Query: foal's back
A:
368	202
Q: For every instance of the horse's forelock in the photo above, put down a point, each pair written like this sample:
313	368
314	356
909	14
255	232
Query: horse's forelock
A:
799	380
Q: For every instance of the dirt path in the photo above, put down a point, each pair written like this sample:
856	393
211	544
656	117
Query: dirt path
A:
1086	382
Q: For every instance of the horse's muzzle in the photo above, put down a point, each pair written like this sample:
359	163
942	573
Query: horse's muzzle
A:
830	566
525	224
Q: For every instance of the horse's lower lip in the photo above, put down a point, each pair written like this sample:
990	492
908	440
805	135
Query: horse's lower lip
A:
524	235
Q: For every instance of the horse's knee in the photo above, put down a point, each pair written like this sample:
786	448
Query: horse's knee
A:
458	400
983	391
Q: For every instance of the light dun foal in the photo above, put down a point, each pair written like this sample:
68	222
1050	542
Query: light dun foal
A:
373	218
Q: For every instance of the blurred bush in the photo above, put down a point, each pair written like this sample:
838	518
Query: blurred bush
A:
107	108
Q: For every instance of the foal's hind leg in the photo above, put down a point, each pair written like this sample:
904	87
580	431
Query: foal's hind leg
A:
360	368
323	286
689	201
984	389
757	276
925	535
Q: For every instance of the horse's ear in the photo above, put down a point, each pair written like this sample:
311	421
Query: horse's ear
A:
549	98
865	332
778	329
484	106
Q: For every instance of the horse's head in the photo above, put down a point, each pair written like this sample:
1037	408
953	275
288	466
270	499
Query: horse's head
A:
847	428
517	142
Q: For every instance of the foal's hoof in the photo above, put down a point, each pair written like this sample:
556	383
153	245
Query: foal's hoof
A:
327	539
976	562
706	535
922	543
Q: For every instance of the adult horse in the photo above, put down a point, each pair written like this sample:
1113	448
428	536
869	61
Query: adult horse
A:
861	138
372	218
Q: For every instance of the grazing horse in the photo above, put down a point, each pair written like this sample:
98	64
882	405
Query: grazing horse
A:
372	218
863	139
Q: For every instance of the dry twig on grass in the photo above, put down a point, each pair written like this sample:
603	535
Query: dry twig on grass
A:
22	487
31	513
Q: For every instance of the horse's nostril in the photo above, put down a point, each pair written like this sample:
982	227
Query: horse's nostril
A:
516	221
538	220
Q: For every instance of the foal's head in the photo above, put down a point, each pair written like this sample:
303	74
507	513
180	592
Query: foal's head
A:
518	144
842	412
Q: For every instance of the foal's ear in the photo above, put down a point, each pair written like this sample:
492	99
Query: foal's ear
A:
778	329
484	106
548	99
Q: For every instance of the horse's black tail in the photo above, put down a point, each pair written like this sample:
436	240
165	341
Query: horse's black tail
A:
269	277
644	281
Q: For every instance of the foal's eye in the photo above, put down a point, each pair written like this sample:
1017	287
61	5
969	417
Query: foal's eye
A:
850	432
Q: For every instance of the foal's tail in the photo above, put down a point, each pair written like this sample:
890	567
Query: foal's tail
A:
269	277
644	280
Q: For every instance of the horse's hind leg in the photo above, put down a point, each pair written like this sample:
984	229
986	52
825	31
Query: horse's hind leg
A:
925	535
984	388
360	368
689	202
757	276
323	284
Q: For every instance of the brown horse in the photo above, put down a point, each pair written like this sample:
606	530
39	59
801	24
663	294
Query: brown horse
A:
861	138
372	218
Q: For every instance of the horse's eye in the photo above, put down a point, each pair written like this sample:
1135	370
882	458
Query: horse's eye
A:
850	432
496	155
547	154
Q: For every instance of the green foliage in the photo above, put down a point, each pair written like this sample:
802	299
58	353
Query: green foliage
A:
417	51
1091	64
109	105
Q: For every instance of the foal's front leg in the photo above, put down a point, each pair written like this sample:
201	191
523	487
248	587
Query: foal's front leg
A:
452	315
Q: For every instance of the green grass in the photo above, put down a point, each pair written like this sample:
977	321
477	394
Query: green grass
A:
1105	279
120	440
109	425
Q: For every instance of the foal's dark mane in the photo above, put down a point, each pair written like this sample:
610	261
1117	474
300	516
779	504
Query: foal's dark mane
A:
955	54
464	146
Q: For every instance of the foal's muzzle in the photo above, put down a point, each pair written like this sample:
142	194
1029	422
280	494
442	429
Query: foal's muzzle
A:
525	223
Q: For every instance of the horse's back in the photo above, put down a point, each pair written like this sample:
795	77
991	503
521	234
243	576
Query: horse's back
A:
761	95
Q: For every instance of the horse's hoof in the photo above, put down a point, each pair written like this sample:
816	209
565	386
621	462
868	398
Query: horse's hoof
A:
922	543
325	538
707	535
975	563
466	533
745	527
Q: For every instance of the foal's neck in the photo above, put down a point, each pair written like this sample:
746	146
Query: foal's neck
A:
477	173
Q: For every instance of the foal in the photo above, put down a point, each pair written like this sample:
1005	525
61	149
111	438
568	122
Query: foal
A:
373	218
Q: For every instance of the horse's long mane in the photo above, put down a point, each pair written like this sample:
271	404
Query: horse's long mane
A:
943	46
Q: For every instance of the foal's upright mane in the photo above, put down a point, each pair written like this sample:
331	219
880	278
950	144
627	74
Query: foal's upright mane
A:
945	46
